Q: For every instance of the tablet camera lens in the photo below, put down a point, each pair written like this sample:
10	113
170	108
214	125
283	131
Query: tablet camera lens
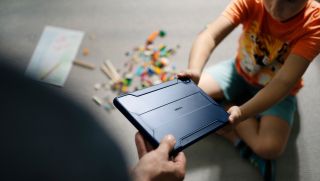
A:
186	81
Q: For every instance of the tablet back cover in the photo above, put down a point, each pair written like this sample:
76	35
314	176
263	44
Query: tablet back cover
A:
177	107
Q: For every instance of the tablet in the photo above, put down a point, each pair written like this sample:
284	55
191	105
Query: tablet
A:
177	107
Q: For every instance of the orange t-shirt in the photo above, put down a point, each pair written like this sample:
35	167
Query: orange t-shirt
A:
265	43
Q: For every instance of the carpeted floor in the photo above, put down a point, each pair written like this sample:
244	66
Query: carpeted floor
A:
118	26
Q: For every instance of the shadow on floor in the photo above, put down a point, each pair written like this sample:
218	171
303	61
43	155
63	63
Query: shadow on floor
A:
214	158
288	164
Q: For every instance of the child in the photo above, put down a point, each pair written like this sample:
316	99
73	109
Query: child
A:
279	40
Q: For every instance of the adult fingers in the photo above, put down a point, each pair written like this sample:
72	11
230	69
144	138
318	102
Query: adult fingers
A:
141	145
148	145
180	160
166	145
178	166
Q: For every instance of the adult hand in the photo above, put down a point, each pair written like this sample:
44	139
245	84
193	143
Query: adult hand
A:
143	146
155	164
193	74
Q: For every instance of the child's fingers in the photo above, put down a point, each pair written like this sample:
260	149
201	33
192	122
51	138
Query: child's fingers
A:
180	75
231	118
184	75
190	74
235	114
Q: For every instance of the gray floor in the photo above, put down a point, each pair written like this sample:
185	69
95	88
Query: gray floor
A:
119	25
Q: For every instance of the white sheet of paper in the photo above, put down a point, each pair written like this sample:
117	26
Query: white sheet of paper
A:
52	59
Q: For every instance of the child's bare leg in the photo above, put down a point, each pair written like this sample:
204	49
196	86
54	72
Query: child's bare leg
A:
212	88
251	132
267	138
229	131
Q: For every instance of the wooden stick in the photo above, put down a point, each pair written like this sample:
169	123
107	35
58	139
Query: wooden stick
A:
106	71
97	100
84	64
113	70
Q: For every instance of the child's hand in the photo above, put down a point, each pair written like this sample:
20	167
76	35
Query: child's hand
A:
193	74
235	114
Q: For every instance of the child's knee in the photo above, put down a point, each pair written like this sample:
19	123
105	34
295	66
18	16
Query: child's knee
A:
210	86
269	149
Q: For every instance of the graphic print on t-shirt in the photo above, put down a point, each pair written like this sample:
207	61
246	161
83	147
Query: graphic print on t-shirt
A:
260	55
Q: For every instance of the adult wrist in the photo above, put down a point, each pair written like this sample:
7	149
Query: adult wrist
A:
139	175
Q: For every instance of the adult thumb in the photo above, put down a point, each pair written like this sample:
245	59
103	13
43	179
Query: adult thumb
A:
167	144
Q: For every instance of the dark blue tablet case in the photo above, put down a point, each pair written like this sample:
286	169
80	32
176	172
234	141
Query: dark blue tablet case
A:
177	107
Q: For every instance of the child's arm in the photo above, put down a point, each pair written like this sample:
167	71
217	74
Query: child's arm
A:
280	86
204	44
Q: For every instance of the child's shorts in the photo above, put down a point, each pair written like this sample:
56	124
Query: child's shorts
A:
234	87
